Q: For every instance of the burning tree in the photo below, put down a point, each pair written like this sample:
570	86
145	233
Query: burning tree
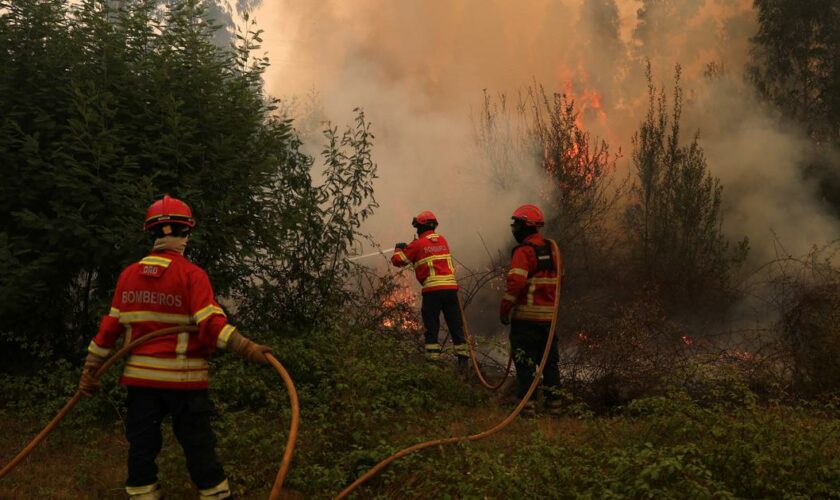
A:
579	168
546	130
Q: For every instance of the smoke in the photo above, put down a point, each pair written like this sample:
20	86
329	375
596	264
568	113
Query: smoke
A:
758	163
418	69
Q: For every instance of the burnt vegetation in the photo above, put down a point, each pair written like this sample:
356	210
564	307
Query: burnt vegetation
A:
657	296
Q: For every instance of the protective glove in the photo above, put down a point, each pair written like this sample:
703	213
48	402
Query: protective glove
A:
505	319
88	385
248	349
400	246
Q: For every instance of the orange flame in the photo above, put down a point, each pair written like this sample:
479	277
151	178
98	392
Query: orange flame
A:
400	307
578	88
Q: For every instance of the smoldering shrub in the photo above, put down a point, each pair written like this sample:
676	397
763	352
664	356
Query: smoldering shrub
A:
614	353
811	330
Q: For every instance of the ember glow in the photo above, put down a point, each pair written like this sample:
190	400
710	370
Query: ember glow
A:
401	308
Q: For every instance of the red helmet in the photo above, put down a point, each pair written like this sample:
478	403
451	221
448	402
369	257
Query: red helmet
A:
530	215
168	210
424	218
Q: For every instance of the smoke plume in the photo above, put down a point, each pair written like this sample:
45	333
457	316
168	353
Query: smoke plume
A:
418	68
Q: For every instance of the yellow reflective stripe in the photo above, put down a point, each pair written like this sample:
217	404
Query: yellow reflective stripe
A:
137	316
509	297
440	280
99	351
532	287
402	256
206	312
432	258
141	490
543	281
534	282
519	271
532	317
114	312
166	376
224	336
217	491
181	346
433	347
140	361
533	312
153	260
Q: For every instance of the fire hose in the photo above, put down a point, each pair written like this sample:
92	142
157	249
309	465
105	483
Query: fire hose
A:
287	380
372	254
470	341
473	437
473	359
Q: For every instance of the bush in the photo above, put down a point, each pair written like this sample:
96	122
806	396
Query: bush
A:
106	105
365	395
359	390
621	352
664	447
674	220
811	327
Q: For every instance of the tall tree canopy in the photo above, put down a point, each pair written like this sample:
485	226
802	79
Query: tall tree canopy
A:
796	67
797	62
106	105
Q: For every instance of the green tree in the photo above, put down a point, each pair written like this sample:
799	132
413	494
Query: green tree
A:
106	105
797	62
796	67
675	217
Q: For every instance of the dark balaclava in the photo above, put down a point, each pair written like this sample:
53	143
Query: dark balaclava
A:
422	228
521	231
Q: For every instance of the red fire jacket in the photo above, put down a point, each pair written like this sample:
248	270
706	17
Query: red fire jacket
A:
429	254
531	292
164	289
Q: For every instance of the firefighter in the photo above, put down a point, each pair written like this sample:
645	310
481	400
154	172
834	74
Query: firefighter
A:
528	306
433	267
168	374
